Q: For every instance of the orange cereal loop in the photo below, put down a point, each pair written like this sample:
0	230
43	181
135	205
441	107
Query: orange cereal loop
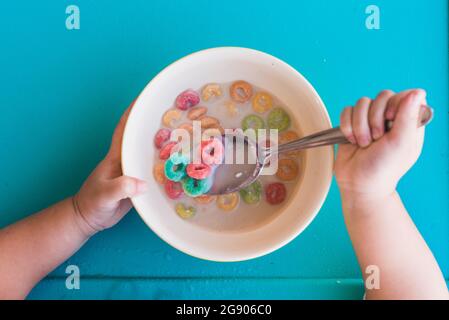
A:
241	91
212	132
232	108
158	173
288	136
211	90
207	121
171	117
287	169
262	102
228	202
186	126
196	112
205	199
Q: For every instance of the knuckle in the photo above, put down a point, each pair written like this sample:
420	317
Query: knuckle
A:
363	101
385	93
126	185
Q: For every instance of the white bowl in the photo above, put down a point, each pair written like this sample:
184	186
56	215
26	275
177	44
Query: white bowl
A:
225	65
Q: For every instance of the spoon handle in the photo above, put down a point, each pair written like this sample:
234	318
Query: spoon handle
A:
336	136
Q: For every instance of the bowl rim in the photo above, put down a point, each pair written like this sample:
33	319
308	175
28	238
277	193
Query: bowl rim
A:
292	235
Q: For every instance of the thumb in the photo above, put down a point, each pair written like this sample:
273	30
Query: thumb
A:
407	117
124	187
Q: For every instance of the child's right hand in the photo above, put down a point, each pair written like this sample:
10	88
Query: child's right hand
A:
370	167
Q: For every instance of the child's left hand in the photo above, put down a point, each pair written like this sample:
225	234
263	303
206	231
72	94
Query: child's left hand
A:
104	197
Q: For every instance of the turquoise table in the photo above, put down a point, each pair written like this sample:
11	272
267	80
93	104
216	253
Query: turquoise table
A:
62	92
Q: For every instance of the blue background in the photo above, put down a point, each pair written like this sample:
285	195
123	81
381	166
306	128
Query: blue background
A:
63	91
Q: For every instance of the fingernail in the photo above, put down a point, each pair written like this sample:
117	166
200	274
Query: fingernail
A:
376	133
364	141
417	95
351	139
142	186
389	115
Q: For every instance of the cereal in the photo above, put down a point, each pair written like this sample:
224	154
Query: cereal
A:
287	169
185	168
159	173
278	119
207	122
173	189
185	212
254	122
161	136
205	199
196	112
186	126
288	136
187	99
241	91
251	194
228	202
211	90
232	108
194	187
262	102
171	118
212	132
166	150
175	167
198	171
275	193
212	151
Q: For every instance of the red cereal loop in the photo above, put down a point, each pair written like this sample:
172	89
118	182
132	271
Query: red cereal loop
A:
198	171
187	99
275	193
166	150
212	151
173	189
162	136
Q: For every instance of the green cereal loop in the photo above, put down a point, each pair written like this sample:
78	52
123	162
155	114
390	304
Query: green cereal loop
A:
175	167
254	122
184	211
278	119
252	193
194	187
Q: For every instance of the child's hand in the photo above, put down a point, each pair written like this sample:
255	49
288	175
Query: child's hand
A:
104	197
371	166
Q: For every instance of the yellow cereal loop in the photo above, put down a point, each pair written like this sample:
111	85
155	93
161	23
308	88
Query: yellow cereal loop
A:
262	102
171	117
228	202
232	108
158	173
184	211
211	90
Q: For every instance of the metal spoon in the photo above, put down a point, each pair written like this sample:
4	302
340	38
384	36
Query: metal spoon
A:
232	177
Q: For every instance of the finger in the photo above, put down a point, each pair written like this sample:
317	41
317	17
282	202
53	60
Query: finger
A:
124	187
114	150
346	124
393	104
406	120
360	123
376	113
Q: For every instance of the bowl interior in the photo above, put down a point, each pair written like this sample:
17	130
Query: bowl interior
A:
225	65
